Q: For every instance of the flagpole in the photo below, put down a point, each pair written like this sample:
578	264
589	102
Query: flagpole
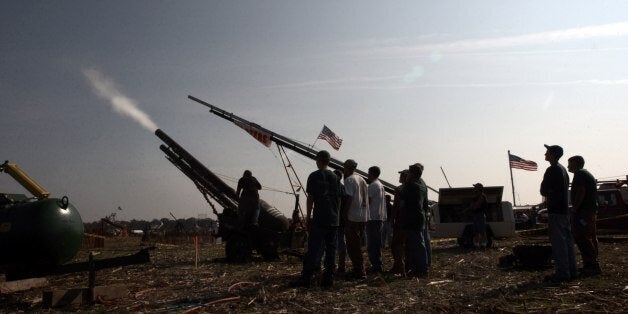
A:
514	202
317	137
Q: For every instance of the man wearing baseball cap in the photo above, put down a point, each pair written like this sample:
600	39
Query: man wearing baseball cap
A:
399	237
323	200
584	202
414	198
356	211
479	209
555	189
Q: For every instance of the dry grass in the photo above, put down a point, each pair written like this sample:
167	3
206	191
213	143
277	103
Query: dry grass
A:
460	281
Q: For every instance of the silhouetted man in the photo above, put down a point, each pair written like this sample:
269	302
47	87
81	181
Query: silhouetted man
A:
584	210
323	201
555	189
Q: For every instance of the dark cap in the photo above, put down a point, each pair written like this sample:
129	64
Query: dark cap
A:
555	150
478	185
323	155
350	163
416	169
403	171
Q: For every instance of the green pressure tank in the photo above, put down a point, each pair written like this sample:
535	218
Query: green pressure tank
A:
44	232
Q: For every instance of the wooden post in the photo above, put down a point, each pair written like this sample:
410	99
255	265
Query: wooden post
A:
196	250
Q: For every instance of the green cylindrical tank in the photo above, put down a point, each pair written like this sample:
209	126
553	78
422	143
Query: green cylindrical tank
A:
42	232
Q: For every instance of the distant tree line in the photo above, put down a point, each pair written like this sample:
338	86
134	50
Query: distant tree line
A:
190	226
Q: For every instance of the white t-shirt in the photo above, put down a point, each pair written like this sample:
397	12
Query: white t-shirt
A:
377	201
356	187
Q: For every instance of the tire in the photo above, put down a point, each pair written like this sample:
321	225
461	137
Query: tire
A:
265	242
466	238
238	249
269	251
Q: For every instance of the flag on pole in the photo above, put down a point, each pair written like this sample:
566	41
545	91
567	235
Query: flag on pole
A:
520	163
262	136
330	137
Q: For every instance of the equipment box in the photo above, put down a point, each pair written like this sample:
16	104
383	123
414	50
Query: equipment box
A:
451	215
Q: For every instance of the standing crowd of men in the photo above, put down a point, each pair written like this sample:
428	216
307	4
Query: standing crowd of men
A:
566	225
357	211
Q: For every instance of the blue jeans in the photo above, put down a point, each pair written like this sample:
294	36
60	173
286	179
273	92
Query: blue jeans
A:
562	246
342	247
416	252
321	239
374	243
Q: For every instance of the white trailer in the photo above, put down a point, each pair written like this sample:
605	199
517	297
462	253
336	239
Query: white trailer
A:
451	216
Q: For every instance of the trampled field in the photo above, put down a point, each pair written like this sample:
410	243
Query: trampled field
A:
460	281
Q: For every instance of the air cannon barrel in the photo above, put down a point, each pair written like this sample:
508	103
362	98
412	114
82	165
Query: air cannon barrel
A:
197	172
207	182
286	141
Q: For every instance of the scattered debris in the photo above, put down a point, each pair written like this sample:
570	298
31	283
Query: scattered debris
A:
171	283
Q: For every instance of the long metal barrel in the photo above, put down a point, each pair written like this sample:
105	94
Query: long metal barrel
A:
196	171
287	142
201	182
270	217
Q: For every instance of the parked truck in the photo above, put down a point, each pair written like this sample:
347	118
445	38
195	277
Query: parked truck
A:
613	205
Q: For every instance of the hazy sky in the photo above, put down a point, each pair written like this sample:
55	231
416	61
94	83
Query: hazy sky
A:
452	84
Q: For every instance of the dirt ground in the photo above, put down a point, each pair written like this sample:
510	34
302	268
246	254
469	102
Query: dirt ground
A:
460	280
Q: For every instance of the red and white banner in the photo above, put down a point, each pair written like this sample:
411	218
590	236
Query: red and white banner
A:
257	133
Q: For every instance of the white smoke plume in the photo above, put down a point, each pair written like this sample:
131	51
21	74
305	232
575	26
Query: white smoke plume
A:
106	88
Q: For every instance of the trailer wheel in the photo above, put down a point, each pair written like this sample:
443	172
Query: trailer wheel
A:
238	249
466	238
269	251
265	242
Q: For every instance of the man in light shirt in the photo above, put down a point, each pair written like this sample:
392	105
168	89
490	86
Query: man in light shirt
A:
377	214
355	210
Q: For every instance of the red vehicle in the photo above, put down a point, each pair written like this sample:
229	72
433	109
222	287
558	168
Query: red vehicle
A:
612	199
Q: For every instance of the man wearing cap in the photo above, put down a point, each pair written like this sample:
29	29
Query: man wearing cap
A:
323	201
355	209
413	196
555	189
479	208
377	215
584	203
399	237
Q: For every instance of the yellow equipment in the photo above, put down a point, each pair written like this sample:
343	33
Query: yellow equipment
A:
22	178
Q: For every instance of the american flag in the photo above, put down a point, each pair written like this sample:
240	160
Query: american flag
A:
520	163
330	137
